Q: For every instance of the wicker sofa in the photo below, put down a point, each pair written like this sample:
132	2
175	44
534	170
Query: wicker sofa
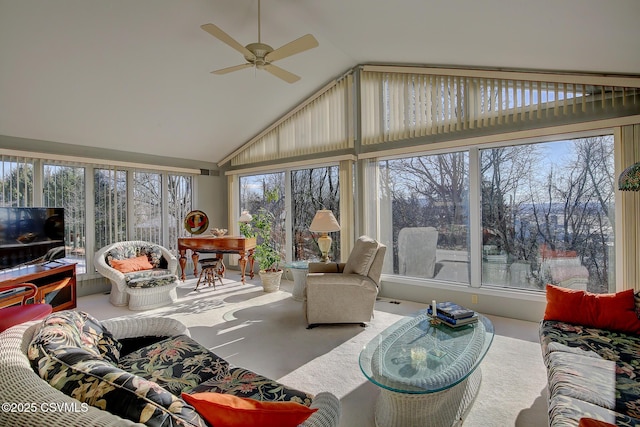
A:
152	391
593	371
140	289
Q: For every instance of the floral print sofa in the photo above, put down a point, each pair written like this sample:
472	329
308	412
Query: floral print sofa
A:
127	371
593	372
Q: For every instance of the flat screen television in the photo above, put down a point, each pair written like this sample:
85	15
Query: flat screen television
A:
31	235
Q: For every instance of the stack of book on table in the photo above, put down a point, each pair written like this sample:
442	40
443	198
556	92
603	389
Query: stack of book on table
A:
454	315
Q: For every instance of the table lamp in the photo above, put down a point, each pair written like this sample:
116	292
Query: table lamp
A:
324	222
244	220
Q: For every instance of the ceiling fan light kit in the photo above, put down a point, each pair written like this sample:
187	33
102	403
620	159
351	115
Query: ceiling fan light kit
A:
260	55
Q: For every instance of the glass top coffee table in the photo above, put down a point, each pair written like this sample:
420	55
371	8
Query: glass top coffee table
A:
428	373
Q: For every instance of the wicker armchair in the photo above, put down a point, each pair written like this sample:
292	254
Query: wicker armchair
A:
154	288
20	385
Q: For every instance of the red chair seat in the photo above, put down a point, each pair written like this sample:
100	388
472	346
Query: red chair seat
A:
11	316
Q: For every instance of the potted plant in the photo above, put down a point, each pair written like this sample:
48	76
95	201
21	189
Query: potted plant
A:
268	249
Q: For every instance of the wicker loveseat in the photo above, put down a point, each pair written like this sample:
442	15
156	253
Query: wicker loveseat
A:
140	288
593	370
126	371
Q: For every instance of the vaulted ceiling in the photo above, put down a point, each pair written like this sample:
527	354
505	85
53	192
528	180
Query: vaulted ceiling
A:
135	75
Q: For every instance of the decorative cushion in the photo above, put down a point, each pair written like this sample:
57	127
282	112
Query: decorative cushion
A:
590	422
154	254
126	251
224	410
362	256
66	352
605	311
244	383
177	364
131	264
70	329
149	278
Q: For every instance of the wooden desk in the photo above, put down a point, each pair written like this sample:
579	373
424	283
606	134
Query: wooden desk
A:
56	283
243	246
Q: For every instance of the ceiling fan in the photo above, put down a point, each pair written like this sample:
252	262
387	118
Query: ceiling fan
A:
261	55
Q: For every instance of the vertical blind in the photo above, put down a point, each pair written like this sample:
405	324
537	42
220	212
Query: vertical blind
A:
64	187
16	178
147	206
179	204
322	124
397	106
110	206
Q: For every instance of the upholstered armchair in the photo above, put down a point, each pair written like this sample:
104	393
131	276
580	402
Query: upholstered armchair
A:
345	292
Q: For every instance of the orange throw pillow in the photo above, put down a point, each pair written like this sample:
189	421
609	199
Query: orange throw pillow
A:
132	264
615	311
225	410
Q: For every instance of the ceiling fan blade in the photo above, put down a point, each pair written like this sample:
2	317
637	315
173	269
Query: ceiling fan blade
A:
226	38
282	74
299	45
232	69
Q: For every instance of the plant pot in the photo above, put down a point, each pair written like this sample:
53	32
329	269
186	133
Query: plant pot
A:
270	280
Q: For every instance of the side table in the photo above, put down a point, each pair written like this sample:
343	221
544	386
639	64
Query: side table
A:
299	270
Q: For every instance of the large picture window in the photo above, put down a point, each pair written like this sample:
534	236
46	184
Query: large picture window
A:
147	206
266	191
64	187
425	199
546	214
311	190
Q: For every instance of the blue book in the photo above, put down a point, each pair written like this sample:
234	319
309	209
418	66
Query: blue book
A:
456	322
453	310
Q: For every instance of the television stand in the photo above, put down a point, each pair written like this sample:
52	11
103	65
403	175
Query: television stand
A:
56	284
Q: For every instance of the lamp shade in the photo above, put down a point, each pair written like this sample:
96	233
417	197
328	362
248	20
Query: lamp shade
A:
324	222
245	217
630	178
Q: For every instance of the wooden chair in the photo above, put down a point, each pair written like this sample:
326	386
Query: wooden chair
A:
210	270
17	314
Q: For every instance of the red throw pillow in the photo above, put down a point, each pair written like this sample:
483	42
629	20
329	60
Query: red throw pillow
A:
131	264
604	311
226	410
590	422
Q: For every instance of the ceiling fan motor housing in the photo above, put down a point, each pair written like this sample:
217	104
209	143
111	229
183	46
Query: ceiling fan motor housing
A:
260	50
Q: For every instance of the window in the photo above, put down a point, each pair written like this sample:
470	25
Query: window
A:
64	187
147	206
158	202
424	211
16	175
179	204
110	206
311	190
266	191
546	215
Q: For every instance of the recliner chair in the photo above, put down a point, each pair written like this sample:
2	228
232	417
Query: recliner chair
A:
338	293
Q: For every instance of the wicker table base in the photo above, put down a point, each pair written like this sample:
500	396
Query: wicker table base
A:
441	409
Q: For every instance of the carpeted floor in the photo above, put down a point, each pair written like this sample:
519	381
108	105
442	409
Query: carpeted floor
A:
266	332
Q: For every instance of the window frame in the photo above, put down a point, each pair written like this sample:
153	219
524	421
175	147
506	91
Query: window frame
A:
370	189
